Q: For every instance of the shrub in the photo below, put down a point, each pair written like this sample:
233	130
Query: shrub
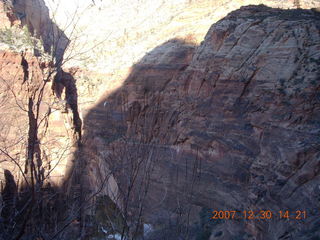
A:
20	39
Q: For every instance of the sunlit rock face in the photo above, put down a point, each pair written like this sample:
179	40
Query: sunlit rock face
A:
228	118
28	59
232	124
20	74
7	17
110	36
35	15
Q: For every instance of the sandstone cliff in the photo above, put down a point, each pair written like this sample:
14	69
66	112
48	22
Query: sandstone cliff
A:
230	125
174	129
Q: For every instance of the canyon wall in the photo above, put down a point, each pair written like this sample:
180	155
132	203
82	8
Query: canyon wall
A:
232	124
225	119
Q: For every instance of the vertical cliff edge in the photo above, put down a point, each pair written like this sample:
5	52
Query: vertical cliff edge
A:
170	135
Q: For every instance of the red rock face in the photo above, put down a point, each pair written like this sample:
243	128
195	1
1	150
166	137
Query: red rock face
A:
35	16
15	70
232	124
20	75
7	17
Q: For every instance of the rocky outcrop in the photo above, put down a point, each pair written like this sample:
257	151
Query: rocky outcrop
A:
31	49
21	73
7	17
120	43
36	17
230	125
40	131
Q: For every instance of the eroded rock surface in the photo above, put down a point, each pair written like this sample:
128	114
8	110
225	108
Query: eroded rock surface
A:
20	74
230	125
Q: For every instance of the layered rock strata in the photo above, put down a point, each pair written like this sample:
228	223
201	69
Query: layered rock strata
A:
232	125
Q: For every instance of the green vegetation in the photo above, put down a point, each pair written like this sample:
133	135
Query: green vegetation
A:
20	39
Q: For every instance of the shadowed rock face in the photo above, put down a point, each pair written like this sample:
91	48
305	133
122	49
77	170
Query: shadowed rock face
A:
230	125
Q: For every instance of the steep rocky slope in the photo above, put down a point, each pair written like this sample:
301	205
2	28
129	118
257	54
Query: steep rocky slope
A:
232	125
180	128
31	48
119	43
108	37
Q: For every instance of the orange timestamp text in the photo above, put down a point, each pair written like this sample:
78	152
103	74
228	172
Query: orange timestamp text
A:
260	214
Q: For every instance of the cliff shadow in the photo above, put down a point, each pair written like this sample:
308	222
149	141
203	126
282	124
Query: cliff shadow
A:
177	144
126	134
146	163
